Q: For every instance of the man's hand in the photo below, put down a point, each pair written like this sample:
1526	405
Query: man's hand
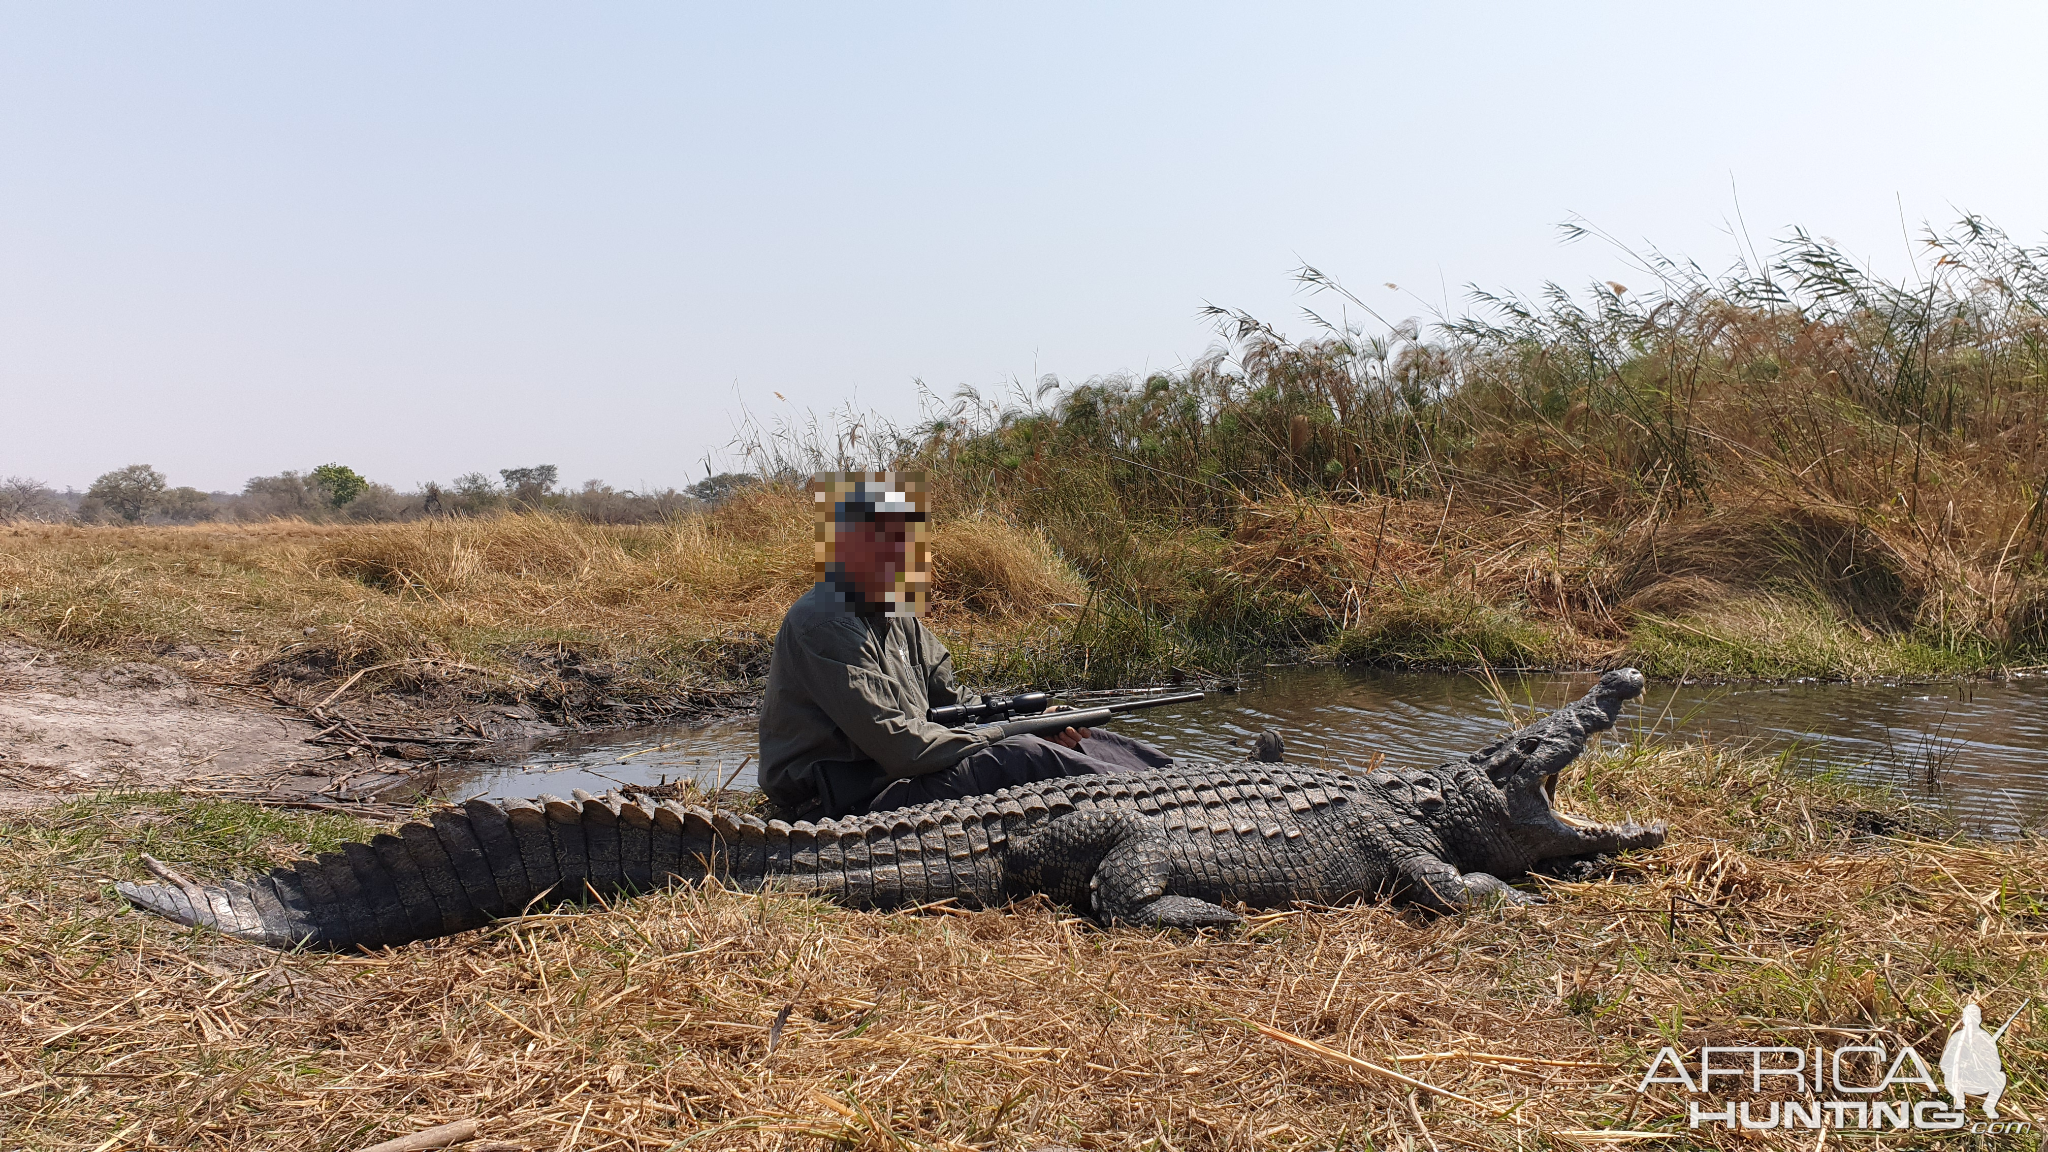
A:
1070	738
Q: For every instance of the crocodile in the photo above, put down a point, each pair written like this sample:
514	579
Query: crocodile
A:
1165	848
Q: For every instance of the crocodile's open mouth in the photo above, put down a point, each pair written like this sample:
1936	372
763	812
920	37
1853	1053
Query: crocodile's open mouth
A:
1550	798
1548	831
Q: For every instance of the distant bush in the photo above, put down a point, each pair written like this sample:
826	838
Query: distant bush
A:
475	495
340	482
182	506
600	503
715	489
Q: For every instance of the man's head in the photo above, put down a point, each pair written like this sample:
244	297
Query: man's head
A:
871	545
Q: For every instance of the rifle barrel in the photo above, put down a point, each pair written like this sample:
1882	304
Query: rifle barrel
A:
1153	702
1087	717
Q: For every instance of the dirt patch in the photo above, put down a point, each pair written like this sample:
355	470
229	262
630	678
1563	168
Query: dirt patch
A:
65	731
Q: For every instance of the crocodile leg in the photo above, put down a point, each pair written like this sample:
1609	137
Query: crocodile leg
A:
1117	864
1435	885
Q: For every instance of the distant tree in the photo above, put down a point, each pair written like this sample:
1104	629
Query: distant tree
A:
341	483
129	493
26	498
475	494
430	498
283	495
715	489
529	485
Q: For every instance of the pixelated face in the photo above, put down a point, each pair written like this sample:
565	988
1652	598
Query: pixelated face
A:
871	539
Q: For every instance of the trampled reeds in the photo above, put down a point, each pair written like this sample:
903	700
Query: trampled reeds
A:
1780	911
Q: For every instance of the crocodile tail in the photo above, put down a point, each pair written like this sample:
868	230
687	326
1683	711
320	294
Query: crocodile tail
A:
464	867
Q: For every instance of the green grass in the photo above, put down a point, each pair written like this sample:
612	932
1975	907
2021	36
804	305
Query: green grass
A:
1781	638
217	838
1449	631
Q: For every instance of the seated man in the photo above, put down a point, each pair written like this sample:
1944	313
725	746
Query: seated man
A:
854	673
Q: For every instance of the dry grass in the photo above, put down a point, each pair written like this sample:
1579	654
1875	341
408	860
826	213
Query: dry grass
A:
1765	588
986	565
710	1019
591	621
615	623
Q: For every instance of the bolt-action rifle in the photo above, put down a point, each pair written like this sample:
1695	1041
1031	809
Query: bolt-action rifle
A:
1000	717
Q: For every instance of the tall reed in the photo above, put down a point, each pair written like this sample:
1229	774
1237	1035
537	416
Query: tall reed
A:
1798	426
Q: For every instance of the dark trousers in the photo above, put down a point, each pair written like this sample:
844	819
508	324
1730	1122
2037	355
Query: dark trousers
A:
1021	760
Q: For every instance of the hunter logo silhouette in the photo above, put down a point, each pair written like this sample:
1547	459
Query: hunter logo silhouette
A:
1969	1062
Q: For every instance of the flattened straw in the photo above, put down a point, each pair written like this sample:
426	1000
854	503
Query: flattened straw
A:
569	1141
117	1137
1415	1113
1496	1058
1350	1061
516	1023
457	664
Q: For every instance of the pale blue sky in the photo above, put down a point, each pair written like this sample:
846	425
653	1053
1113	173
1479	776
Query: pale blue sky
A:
425	239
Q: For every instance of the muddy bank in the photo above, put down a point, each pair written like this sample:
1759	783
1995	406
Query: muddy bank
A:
67	730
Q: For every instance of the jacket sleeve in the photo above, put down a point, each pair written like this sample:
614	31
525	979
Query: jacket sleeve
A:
857	696
939	685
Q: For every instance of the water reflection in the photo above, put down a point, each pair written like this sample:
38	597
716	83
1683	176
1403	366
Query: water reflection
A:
1973	748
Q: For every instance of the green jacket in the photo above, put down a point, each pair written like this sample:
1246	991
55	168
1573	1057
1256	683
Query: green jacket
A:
844	713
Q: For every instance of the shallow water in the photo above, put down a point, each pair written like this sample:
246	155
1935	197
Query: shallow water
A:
1973	749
